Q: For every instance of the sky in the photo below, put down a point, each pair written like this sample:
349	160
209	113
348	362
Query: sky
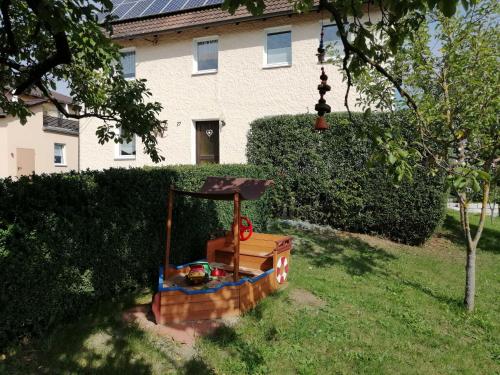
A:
62	87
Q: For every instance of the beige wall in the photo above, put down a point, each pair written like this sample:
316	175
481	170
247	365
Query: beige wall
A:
4	166
240	92
13	135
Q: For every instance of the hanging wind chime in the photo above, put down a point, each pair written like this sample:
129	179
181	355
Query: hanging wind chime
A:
321	107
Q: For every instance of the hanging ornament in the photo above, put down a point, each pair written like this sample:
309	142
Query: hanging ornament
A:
321	107
321	49
209	132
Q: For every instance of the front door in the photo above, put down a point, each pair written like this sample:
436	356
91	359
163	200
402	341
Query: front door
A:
25	161
207	142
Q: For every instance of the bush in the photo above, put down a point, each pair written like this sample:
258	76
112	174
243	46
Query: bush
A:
67	241
329	179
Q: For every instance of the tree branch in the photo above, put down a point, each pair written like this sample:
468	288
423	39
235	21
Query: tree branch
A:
348	47
61	56
8	26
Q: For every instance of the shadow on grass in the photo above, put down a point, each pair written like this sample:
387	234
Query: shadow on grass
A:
196	366
100	343
326	250
490	238
456	303
250	355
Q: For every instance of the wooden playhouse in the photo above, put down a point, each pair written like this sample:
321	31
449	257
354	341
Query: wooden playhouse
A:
254	264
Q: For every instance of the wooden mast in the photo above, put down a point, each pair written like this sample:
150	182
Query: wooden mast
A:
236	235
169	230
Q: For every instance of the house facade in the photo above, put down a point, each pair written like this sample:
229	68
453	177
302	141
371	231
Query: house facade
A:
47	143
215	73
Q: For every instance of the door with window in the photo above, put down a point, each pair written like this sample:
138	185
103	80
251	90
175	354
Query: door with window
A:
207	142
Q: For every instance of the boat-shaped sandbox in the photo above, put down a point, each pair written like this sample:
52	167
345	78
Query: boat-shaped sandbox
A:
254	264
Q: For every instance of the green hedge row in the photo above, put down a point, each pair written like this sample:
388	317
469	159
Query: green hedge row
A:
328	178
69	240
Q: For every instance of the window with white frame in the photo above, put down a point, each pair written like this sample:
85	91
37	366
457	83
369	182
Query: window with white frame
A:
278	48
206	55
128	63
127	149
59	154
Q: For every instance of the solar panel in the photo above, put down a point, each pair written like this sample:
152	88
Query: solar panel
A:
155	7
136	10
214	2
122	9
174	6
190	4
131	9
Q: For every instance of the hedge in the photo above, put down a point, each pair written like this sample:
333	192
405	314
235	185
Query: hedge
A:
329	178
67	241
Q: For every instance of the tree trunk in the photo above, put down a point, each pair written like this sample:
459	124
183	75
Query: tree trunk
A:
470	277
470	266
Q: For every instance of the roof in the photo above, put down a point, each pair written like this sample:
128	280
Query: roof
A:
60	125
224	188
191	18
35	97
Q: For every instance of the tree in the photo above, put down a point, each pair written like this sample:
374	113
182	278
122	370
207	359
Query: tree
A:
449	67
43	41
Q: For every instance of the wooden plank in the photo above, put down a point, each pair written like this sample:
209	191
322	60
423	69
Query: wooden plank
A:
200	306
212	245
174	297
199	315
262	264
273	237
260	287
247	250
169	231
253	294
246	270
236	234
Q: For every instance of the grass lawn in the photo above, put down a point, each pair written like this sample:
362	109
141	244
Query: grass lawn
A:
381	308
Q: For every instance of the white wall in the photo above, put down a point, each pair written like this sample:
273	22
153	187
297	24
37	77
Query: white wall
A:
240	92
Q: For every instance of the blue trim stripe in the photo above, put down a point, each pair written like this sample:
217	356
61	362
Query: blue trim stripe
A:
179	267
252	280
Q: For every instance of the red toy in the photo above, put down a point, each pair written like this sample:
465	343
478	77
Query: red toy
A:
244	235
218	272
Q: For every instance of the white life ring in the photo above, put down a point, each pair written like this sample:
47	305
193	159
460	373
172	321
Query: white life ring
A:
282	270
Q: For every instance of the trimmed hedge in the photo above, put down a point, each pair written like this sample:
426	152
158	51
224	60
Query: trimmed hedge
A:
328	178
67	241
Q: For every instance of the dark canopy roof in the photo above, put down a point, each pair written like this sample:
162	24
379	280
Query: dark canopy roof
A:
223	188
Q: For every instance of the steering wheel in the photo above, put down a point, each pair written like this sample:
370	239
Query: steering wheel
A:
246	231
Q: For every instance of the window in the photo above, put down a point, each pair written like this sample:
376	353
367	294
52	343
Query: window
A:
126	150
332	42
128	64
206	51
278	50
59	154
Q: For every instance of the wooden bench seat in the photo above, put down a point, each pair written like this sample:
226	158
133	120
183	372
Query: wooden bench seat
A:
245	270
256	252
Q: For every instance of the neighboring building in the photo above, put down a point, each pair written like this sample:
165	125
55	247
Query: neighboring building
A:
215	73
47	143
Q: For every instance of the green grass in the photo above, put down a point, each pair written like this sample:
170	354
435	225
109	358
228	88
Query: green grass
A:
387	308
